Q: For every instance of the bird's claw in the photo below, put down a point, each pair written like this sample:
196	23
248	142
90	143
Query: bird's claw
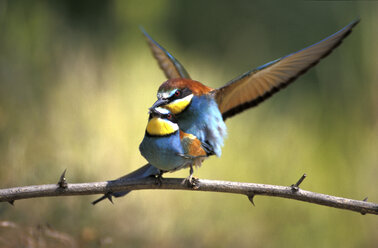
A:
159	179
192	182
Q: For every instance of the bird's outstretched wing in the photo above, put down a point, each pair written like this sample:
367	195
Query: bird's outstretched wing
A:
256	85
171	67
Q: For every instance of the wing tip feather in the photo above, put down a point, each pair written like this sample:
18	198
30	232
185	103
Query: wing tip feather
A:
240	108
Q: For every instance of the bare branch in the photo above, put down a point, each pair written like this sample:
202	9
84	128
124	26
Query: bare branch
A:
248	189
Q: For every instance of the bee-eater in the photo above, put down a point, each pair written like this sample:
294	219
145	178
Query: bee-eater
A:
201	110
166	148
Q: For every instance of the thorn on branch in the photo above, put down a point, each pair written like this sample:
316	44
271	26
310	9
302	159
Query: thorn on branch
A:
62	183
108	196
250	198
363	212
295	187
248	189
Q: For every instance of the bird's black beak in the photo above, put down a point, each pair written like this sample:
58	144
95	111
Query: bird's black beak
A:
158	103
153	112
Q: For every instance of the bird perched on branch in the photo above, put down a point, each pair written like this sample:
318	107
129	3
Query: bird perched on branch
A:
201	110
166	148
193	127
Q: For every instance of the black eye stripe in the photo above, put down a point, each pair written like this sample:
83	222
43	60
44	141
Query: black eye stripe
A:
182	93
170	117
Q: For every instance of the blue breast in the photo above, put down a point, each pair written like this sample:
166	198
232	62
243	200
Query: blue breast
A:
204	120
163	151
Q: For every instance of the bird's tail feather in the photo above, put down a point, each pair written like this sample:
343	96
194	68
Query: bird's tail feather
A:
143	172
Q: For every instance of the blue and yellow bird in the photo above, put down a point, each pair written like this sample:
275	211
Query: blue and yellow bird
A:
197	129
201	110
166	148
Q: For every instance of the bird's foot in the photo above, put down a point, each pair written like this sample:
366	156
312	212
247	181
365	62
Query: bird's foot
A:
192	182
159	179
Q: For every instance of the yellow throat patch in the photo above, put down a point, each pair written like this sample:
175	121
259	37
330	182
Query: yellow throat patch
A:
159	127
179	105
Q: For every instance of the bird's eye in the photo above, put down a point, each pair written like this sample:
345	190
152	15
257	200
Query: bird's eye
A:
169	116
178	93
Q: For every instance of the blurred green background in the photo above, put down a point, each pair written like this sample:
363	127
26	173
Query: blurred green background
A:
76	79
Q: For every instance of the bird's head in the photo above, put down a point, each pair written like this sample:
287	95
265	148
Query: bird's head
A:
161	122
177	94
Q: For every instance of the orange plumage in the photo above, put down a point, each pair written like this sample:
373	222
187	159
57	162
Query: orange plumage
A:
192	145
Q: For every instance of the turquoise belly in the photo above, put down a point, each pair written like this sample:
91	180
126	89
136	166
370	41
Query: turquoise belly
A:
163	152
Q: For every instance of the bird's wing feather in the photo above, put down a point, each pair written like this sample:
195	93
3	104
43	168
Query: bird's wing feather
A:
171	67
192	146
207	148
256	85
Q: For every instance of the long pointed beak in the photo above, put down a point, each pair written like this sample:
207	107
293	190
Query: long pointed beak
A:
159	103
153	112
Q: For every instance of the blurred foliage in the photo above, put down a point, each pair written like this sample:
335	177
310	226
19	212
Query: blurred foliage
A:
13	235
76	79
